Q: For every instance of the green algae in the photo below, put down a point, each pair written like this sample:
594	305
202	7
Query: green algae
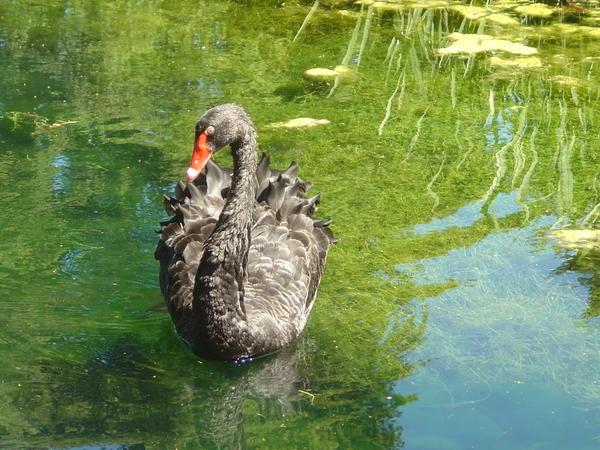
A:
482	43
342	73
536	10
397	6
530	62
321	74
480	13
570	81
300	122
578	239
414	140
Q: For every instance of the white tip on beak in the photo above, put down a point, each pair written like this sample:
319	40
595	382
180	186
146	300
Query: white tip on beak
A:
192	174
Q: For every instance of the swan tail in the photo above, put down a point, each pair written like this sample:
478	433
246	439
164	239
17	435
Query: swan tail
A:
324	235
285	193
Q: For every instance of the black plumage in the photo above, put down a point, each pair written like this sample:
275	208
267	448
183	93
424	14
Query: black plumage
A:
241	257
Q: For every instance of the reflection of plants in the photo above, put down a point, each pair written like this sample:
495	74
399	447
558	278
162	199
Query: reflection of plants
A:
507	321
19	125
135	109
586	262
28	124
133	390
17	119
408	133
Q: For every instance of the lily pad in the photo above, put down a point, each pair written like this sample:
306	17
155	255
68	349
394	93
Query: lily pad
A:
430	4
479	43
388	6
348	14
592	17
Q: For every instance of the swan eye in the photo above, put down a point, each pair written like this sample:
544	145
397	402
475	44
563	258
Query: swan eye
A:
210	130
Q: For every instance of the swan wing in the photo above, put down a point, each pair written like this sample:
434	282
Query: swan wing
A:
195	211
285	263
285	260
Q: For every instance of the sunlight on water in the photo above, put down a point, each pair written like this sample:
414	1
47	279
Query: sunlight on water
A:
512	327
503	206
460	308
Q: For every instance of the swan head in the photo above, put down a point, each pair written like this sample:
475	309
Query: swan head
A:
219	127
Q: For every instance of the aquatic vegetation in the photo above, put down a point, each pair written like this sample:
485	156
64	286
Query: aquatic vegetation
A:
342	73
300	122
488	308
592	217
536	10
321	74
570	81
432	194
311	12
566	180
388	107
365	35
479	43
578	239
557	31
530	62
403	5
578	31
447	298
346	73
488	14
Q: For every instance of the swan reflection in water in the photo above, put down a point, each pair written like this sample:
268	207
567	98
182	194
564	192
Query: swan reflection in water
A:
133	400
131	393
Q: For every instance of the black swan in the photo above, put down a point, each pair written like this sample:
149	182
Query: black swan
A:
241	257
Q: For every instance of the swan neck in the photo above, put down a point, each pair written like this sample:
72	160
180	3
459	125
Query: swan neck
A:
218	301
232	231
243	182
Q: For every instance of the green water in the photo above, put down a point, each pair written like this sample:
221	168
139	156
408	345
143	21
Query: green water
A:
448	317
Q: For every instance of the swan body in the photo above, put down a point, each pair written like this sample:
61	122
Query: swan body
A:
241	257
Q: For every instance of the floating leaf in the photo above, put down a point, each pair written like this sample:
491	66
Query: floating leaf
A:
536	10
300	122
479	13
478	43
344	73
586	239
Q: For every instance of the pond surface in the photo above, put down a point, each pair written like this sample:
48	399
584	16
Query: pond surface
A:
449	316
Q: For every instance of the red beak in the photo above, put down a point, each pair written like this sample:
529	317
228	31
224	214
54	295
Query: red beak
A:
200	157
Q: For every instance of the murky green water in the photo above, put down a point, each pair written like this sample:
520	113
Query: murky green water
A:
448	316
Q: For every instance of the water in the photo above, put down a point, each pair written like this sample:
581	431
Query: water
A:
448	316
